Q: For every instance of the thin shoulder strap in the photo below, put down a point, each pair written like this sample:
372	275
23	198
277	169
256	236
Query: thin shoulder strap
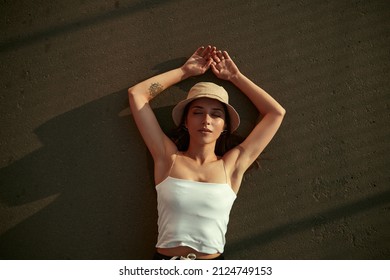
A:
173	163
224	169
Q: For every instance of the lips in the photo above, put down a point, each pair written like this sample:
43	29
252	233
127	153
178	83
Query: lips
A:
205	130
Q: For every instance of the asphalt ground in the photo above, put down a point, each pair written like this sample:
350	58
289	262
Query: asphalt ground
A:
76	179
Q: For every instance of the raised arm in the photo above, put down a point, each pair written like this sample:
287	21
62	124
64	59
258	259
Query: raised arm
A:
272	112
139	96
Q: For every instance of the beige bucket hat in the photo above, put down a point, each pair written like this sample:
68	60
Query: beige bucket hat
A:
208	90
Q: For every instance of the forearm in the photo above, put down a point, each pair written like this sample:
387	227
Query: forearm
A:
153	86
264	102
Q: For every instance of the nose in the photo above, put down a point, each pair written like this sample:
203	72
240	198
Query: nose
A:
206	119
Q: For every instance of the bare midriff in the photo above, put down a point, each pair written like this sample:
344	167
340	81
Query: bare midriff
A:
184	251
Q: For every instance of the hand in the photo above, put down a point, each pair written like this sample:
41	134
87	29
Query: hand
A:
223	66
199	62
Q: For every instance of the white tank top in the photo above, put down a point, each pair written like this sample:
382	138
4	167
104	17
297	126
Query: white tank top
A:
193	214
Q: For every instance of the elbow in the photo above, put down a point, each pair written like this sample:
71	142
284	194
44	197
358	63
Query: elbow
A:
282	112
276	114
130	91
132	95
279	112
135	96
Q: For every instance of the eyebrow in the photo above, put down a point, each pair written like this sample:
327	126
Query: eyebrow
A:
200	107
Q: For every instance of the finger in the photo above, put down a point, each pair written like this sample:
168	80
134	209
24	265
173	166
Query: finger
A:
216	57
205	51
199	50
226	55
214	69
213	52
220	55
210	52
208	64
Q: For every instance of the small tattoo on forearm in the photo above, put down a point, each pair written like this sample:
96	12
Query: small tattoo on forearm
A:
155	88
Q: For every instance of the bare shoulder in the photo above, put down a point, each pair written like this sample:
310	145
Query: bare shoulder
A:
163	164
234	170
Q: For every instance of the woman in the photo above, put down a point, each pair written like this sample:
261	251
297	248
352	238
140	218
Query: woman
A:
196	186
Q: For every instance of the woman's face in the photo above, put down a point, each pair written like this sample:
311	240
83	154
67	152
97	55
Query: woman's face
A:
205	120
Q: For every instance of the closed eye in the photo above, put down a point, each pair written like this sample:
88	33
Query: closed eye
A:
215	112
219	113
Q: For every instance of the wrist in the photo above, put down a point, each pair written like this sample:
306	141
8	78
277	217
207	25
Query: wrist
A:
236	77
185	74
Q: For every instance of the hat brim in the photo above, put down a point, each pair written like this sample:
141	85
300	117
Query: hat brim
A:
177	112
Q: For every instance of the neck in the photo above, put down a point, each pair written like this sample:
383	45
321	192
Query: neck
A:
201	154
